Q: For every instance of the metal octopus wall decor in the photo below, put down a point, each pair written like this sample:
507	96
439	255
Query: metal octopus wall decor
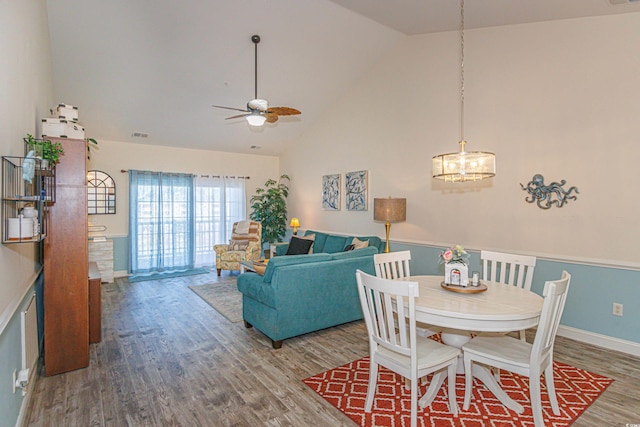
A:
550	195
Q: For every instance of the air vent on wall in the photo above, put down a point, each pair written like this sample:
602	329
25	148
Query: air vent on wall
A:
614	2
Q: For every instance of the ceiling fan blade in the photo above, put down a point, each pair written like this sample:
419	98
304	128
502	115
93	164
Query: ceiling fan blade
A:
230	108
283	111
238	116
271	117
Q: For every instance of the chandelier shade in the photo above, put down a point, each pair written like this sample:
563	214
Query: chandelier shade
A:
464	166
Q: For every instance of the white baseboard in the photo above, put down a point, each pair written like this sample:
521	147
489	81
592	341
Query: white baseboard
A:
121	273
599	340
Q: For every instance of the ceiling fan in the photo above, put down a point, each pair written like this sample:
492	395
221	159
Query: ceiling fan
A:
258	110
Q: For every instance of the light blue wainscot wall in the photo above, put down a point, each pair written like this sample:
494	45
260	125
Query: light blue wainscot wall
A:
120	254
588	312
11	360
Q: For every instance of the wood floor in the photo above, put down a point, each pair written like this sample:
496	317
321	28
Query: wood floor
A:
168	359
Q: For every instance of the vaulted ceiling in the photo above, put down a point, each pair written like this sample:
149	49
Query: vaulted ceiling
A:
156	66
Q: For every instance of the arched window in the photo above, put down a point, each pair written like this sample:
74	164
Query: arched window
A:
101	193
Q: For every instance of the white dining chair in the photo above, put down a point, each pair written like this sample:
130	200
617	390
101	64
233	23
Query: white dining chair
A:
393	341
511	269
395	265
521	357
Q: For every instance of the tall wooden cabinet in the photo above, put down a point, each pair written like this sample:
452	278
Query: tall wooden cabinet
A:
66	294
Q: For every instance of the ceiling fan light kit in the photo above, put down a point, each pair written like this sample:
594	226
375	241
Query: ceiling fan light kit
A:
463	166
258	111
256	119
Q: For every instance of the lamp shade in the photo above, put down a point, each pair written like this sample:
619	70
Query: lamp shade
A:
390	209
295	222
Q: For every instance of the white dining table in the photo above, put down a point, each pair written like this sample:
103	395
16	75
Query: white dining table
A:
501	308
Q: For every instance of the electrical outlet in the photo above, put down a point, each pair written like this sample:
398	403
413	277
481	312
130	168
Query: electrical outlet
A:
617	309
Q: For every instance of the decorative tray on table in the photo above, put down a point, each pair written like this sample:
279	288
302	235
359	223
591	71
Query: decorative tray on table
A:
465	289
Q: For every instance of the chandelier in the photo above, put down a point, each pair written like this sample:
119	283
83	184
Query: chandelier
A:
463	165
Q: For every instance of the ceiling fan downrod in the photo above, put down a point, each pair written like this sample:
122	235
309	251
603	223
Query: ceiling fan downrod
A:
255	39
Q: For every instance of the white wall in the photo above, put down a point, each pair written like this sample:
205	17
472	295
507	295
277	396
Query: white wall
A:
26	90
112	157
557	98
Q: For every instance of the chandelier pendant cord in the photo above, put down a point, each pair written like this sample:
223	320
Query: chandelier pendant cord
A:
462	74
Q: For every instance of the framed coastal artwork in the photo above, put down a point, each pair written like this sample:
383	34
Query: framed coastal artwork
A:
331	192
356	190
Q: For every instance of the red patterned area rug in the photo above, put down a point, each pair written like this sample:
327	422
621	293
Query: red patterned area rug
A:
346	389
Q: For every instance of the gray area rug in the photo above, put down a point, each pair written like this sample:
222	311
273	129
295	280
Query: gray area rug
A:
224	297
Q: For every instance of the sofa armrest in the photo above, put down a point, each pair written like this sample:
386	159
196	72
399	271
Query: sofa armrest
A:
220	249
282	248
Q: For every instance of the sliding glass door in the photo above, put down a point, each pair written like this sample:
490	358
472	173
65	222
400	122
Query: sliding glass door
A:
175	219
161	222
220	201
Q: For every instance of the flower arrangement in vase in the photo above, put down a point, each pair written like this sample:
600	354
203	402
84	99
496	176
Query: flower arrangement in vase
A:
456	270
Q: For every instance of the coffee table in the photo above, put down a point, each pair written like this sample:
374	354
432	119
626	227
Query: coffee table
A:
252	266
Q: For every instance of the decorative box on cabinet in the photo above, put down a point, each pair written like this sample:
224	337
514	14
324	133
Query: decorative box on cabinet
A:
66	292
101	252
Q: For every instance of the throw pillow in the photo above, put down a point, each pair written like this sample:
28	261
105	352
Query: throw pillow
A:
311	237
359	244
299	246
238	245
349	248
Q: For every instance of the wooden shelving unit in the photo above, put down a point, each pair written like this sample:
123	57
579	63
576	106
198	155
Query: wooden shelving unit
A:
66	269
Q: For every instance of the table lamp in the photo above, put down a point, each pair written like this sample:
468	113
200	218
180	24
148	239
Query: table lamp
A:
295	223
389	210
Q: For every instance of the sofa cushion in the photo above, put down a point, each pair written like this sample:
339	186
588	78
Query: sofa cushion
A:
368	251
335	244
238	245
299	246
290	260
318	243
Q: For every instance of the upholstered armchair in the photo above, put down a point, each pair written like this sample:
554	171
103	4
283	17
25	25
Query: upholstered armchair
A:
245	245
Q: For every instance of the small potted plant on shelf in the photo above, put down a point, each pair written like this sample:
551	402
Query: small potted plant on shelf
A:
34	146
51	151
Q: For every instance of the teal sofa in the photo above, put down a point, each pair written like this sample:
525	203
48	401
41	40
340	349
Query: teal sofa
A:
299	294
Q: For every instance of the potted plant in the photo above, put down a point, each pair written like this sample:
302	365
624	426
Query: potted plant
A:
34	146
52	151
269	207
